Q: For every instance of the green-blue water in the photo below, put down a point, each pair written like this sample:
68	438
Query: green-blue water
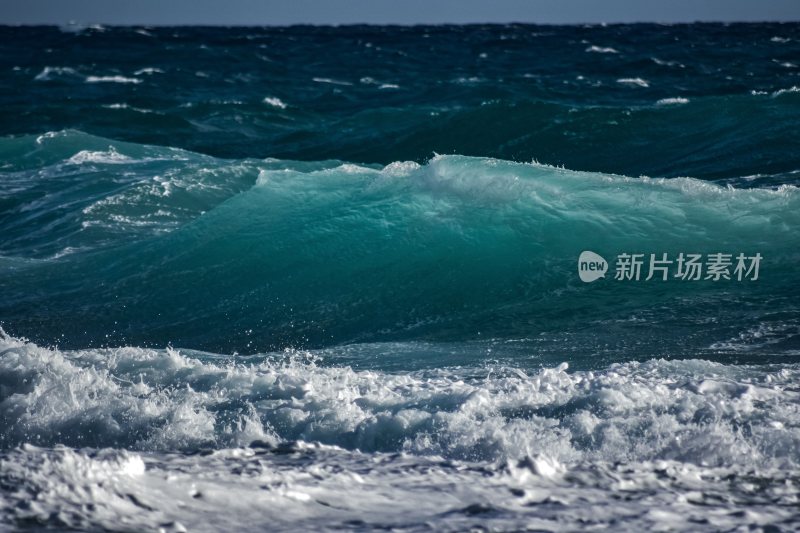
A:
329	241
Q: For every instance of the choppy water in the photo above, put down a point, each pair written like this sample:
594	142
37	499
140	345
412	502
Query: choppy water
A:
309	278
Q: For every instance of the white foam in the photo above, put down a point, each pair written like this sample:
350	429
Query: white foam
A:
505	449
110	157
48	73
155	199
638	82
673	101
331	81
126	106
372	81
793	89
164	399
602	50
49	135
308	488
275	102
664	63
401	168
69	250
112	79
148	70
760	335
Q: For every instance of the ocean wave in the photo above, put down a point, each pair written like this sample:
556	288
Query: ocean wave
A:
259	300
132	188
479	180
587	124
522	125
318	253
161	400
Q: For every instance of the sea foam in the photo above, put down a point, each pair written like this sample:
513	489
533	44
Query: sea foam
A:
161	400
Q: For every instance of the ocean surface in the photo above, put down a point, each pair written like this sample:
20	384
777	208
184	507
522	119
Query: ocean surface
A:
327	278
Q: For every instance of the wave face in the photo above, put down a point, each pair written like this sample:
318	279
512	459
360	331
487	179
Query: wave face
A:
245	289
141	245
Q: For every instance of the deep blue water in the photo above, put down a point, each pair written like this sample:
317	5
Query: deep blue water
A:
267	258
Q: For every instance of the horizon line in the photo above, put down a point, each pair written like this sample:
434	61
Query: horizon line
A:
90	25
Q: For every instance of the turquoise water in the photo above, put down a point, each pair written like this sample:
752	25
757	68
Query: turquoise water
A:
240	281
146	246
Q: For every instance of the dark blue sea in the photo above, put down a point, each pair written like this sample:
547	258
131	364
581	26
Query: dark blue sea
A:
428	278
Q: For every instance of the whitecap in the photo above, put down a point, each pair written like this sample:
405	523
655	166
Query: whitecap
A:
372	81
47	73
112	79
275	102
126	106
331	81
664	63
148	70
673	101
110	156
793	89
401	168
639	82
602	50
49	135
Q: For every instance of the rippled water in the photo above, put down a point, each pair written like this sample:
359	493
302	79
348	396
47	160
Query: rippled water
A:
304	278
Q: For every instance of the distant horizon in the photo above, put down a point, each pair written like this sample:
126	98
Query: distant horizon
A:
280	13
89	25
